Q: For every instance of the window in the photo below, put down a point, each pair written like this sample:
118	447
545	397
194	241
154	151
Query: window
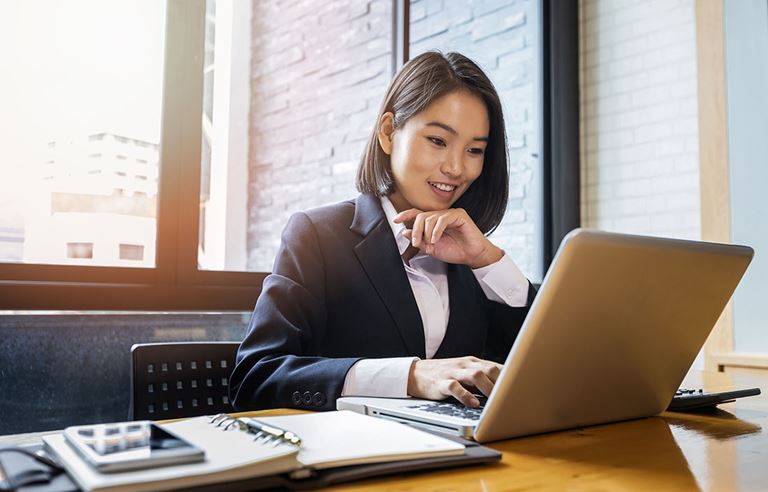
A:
286	133
80	250
267	131
746	72
132	252
87	81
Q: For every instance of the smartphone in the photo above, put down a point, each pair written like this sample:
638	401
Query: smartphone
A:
126	446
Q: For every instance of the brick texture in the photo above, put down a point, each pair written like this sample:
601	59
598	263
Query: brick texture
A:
319	72
639	117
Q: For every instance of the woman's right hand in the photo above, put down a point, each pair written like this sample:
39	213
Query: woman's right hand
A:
437	379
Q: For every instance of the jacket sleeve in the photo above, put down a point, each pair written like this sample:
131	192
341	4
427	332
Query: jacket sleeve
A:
277	365
504	323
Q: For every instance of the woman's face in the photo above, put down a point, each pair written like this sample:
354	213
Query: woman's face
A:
437	153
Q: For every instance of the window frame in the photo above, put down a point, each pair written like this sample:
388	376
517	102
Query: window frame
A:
176	283
559	130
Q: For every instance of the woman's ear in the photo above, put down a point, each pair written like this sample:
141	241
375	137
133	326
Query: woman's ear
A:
386	132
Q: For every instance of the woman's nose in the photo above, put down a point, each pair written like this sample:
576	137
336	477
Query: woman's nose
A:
453	165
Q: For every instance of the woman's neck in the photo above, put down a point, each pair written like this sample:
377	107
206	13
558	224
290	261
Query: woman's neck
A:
399	202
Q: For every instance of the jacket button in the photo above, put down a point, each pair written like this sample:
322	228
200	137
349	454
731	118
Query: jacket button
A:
318	399
296	397
307	398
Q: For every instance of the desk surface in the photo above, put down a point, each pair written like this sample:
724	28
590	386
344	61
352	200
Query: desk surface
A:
723	450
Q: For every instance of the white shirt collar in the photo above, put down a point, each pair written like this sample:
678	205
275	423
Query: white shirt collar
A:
397	229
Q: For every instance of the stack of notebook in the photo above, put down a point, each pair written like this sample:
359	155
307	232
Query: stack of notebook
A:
335	447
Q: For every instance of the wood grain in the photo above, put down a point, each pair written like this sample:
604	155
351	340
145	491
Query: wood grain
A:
713	152
722	450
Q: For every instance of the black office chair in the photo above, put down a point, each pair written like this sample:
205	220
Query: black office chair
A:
180	379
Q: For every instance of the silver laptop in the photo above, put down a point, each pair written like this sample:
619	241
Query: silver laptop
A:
616	325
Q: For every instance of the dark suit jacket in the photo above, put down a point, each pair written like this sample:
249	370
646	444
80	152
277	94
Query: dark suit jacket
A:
338	293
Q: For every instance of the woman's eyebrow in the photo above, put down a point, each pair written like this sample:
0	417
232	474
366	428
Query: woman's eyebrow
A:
451	130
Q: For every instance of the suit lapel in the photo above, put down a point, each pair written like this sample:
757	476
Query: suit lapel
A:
378	255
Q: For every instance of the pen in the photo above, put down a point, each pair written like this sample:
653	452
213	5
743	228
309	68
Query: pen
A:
271	432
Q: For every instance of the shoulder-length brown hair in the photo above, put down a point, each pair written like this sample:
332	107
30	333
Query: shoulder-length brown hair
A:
422	80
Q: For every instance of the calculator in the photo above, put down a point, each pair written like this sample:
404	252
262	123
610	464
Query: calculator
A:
695	399
130	446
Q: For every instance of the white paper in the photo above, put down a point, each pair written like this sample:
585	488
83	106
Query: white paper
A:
341	438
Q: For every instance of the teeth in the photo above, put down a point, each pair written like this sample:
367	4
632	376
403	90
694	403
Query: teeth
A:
443	187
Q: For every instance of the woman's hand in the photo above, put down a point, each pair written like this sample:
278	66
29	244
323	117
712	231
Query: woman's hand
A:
450	236
437	379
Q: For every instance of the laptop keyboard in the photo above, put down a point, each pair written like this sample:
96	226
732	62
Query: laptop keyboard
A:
451	409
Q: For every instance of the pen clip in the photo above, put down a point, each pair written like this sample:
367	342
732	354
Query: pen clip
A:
270	432
264	433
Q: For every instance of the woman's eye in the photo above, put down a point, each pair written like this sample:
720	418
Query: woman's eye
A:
437	141
476	151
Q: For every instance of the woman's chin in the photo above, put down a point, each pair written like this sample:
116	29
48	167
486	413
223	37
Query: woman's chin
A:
440	203
433	205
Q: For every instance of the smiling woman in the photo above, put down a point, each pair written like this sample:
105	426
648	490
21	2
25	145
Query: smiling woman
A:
448	132
431	306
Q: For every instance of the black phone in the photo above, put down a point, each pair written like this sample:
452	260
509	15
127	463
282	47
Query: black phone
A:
126	446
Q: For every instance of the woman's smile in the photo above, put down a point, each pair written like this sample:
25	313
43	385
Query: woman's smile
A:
443	190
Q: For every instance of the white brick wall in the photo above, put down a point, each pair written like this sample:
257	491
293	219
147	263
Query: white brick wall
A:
319	71
639	117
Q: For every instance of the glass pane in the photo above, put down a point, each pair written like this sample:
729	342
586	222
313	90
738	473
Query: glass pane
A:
285	121
746	28
502	37
81	99
86	372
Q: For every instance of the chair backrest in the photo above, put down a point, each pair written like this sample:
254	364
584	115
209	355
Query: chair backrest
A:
180	379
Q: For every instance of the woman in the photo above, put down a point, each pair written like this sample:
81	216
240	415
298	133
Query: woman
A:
398	292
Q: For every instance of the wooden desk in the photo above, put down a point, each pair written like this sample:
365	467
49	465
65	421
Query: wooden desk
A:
724	450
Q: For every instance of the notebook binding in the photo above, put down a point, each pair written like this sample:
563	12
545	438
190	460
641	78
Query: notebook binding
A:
263	434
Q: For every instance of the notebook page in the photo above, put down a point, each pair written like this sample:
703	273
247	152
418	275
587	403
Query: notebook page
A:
341	438
226	449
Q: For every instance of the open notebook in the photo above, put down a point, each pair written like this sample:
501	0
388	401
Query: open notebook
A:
329	440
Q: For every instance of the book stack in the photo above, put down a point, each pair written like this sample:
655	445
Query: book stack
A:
335	447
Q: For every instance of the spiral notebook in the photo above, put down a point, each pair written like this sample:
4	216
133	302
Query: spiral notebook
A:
328	440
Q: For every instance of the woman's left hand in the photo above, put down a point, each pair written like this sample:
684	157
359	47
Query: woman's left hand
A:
450	236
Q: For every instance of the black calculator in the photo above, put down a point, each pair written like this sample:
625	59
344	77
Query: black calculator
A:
696	399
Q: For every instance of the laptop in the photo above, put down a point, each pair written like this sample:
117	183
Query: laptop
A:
616	324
